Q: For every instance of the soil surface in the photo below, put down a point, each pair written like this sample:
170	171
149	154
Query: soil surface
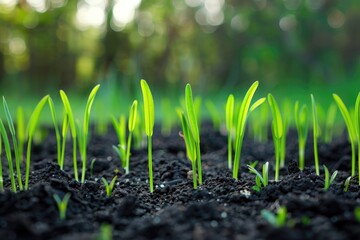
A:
221	208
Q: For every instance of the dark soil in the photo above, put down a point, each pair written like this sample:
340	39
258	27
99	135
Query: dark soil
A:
222	208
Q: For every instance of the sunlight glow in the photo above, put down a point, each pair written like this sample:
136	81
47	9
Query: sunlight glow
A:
124	13
90	13
211	13
38	5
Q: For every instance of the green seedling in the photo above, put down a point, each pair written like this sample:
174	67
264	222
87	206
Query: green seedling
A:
31	127
149	117
351	129
20	127
316	133
260	179
357	213
329	123
131	127
109	187
214	114
301	123
277	220
190	145
15	144
69	116
5	139
278	132
241	126
120	130
192	117
62	204
229	117
105	232
329	180
83	137
347	184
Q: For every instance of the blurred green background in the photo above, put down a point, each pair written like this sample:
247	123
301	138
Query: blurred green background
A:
215	45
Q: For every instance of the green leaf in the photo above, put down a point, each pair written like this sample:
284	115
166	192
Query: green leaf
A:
257	104
191	113
132	116
89	104
277	119
148	108
35	116
229	111
69	112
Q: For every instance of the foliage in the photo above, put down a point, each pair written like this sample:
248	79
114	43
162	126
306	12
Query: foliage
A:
351	130
277	220
329	180
229	118
278	132
149	118
62	204
301	124
316	133
347	184
260	180
109	187
242	116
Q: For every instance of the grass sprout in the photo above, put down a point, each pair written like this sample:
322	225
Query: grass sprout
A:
278	132
149	118
241	126
229	118
15	144
347	184
62	204
301	123
350	128
20	128
190	145
192	112
329	123
316	133
277	220
120	130
131	128
109	186
260	179
5	139
329	180
33	121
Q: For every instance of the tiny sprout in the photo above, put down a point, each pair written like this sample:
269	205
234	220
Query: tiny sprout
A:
260	180
62	204
329	180
347	184
109	187
277	220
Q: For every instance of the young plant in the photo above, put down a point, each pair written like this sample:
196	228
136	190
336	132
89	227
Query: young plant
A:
316	133
241	126
329	180
31	127
62	204
301	123
131	127
192	118
120	130
5	139
70	121
83	137
229	117
109	187
277	220
260	180
278	132
190	145
15	144
149	118
347	184
351	129
20	127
